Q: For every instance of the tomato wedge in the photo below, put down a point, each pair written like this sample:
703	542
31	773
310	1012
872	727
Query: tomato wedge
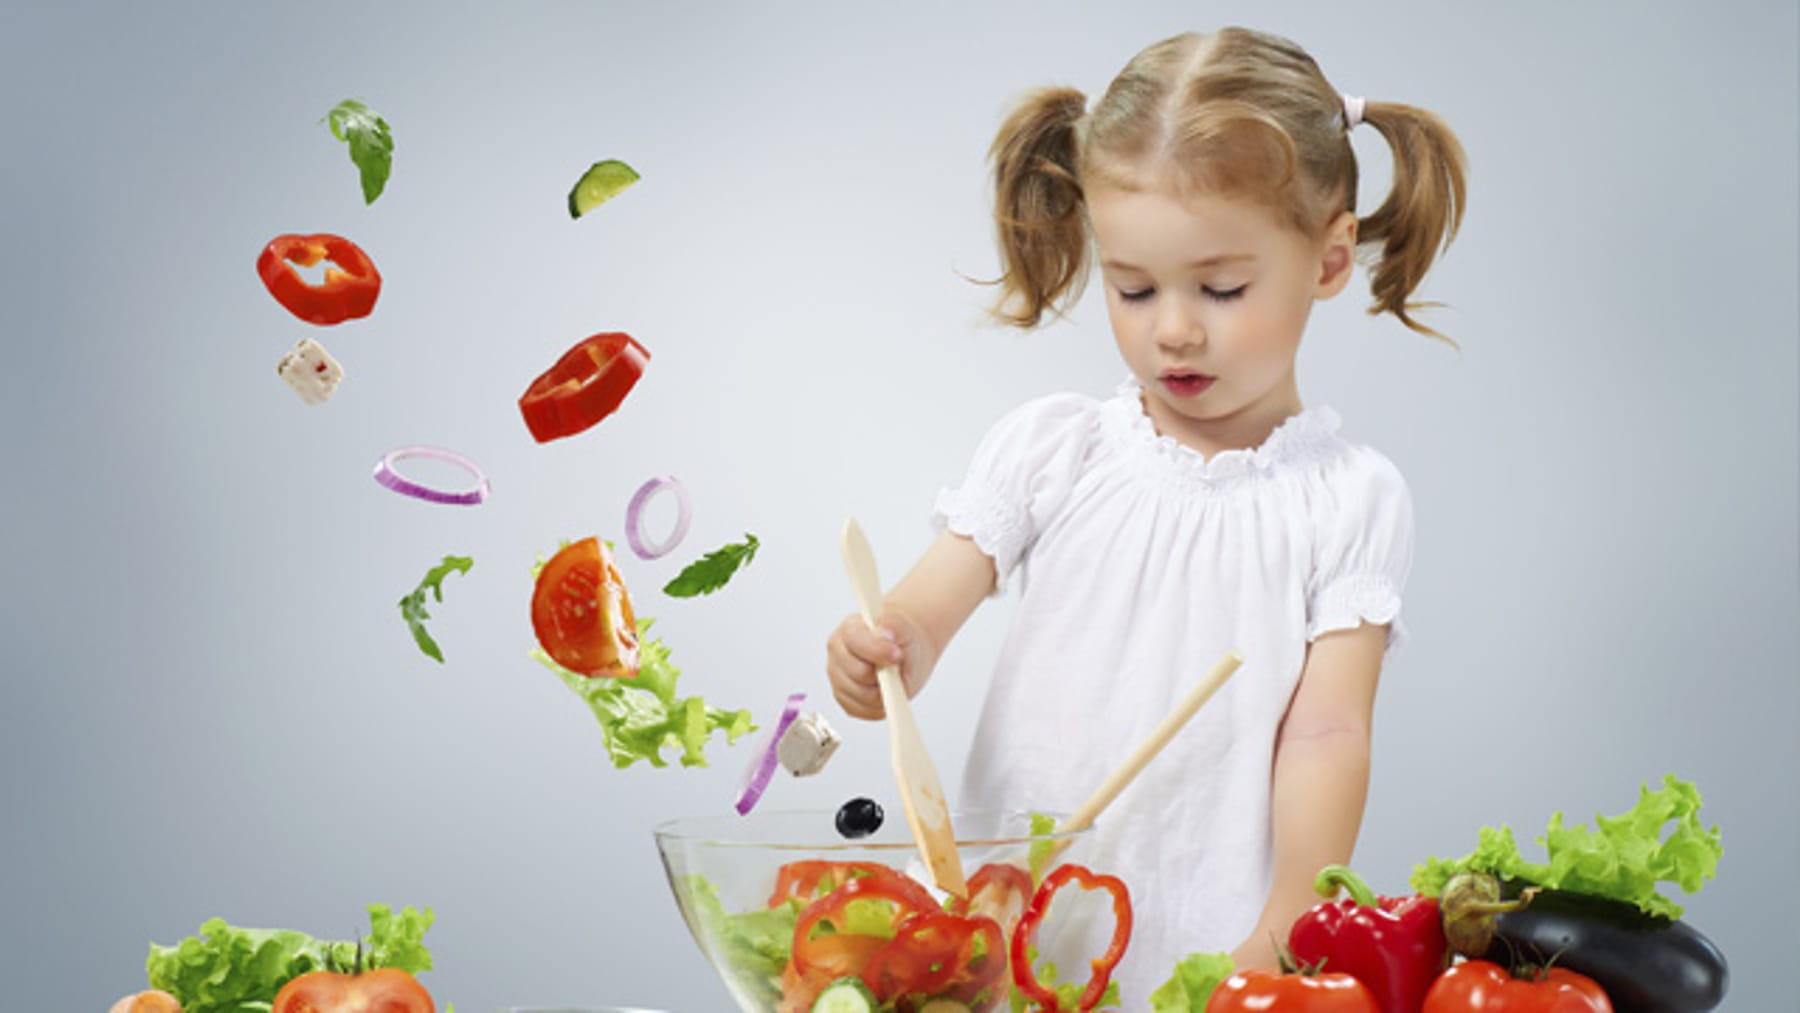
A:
582	614
587	384
384	990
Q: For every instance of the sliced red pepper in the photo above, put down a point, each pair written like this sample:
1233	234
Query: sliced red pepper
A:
933	951
1026	930
587	384
1393	945
882	883
813	878
348	291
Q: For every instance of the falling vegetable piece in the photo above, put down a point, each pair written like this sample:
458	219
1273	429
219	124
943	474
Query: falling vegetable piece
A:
581	612
1025	932
713	570
350	287
1393	945
412	606
602	182
807	744
371	144
762	763
388	478
586	385
634	517
859	817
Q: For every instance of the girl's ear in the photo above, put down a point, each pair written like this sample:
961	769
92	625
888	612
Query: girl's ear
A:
1337	255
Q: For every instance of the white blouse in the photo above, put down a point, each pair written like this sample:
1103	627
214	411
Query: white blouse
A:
1140	564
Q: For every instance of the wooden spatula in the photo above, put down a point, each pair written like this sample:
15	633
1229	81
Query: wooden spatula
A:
920	792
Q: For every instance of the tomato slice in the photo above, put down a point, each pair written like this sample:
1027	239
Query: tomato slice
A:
385	990
582	614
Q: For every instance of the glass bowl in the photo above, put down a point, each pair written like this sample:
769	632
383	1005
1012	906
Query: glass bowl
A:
770	900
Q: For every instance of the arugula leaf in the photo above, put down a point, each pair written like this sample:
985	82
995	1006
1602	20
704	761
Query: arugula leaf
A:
226	969
1196	976
640	716
710	572
1623	860
412	606
371	144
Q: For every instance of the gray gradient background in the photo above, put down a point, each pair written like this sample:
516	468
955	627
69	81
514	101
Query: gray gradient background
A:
211	706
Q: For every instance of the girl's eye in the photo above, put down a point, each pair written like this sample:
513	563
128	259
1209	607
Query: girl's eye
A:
1225	295
1136	295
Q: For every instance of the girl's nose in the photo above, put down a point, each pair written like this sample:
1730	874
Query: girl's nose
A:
1176	327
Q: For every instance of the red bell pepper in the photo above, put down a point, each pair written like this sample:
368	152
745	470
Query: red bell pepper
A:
880	883
1394	945
1023	975
348	291
933	952
587	384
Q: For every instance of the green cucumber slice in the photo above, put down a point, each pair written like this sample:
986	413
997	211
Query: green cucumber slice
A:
602	182
845	995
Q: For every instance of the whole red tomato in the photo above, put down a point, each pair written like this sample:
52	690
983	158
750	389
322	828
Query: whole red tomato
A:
1480	986
385	990
1257	989
581	612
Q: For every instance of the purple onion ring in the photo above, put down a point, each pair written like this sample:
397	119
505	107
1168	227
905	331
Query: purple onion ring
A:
762	765
391	479
634	517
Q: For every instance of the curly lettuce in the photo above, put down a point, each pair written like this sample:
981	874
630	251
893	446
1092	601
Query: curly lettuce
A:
1623	859
227	969
1196	977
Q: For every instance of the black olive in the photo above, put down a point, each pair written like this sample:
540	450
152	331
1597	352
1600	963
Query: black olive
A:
859	817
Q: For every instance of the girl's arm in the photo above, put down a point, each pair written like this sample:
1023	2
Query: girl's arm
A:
918	618
1321	778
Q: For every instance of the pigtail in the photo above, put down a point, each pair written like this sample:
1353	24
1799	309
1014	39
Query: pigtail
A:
1422	212
1038	207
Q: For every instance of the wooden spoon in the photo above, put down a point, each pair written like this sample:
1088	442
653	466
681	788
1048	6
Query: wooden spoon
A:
920	792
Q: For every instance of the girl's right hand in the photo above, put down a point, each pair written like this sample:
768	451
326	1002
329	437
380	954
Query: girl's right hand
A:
854	652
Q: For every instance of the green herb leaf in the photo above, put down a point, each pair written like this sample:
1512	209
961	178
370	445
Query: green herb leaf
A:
1623	860
412	606
711	571
371	144
642	715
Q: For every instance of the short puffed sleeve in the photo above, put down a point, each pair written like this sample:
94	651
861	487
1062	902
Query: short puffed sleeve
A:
1022	472
1364	549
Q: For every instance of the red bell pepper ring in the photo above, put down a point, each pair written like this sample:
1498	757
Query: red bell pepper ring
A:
348	291
1393	945
882	883
933	951
587	384
1103	965
813	878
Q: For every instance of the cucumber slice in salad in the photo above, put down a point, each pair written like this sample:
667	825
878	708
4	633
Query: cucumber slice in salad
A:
602	182
845	995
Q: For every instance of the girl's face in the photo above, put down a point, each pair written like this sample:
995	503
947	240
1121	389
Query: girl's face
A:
1208	297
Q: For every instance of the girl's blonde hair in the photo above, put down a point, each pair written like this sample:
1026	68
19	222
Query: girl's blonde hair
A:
1238	113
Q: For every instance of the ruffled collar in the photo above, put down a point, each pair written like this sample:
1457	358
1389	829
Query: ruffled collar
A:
1305	437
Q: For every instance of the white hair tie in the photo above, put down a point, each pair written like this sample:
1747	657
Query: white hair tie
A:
1353	111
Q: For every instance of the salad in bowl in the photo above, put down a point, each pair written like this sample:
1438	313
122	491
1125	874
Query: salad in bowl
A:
796	918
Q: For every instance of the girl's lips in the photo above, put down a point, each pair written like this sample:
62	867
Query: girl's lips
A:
1186	384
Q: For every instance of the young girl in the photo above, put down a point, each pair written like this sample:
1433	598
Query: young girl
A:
1200	508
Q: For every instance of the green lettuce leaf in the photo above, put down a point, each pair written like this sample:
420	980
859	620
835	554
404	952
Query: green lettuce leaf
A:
1067	995
1038	854
1624	859
641	716
1196	976
226	969
753	947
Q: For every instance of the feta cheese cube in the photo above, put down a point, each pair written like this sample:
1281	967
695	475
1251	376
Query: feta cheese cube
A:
311	371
